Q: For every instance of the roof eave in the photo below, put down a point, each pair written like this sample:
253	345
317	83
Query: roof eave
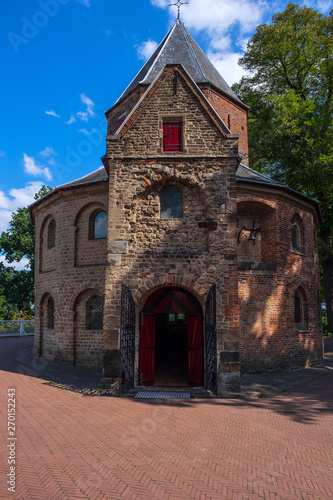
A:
286	189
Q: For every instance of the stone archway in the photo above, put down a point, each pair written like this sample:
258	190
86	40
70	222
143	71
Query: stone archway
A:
171	339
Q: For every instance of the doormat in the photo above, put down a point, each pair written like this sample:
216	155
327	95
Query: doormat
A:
162	395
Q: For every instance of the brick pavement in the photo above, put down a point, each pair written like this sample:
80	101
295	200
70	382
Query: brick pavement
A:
76	447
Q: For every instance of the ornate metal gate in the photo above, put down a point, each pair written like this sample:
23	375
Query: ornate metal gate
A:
210	329
127	339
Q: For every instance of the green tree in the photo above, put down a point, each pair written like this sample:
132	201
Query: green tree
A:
290	93
17	287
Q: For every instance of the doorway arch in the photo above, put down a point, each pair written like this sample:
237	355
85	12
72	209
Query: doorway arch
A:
171	339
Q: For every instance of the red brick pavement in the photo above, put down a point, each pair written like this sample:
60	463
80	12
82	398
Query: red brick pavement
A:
75	447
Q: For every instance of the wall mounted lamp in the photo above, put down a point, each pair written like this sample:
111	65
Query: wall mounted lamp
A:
253	232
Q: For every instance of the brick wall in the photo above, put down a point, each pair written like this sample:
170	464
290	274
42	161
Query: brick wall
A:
65	277
233	115
268	279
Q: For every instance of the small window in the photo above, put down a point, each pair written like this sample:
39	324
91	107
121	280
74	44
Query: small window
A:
172	136
300	311
100	226
171	203
295	235
52	234
50	314
95	307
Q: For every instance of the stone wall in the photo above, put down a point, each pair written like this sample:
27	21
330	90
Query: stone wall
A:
196	251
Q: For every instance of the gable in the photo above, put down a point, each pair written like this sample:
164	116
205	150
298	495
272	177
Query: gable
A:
175	98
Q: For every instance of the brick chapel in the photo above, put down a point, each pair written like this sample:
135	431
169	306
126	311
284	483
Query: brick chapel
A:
175	264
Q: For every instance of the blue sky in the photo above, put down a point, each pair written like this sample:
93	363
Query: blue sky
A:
65	62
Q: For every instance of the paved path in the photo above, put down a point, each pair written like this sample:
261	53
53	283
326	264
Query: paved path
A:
72	446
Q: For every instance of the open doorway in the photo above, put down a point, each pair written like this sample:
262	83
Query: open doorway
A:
171	341
171	349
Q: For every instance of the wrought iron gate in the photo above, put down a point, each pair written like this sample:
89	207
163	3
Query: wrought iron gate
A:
127	339
210	329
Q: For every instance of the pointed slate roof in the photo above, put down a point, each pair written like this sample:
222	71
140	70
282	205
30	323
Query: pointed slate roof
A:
179	47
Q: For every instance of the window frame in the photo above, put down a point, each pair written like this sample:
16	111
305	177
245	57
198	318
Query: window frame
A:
89	320
172	118
176	148
50	313
168	187
297	222
52	234
301	315
92	224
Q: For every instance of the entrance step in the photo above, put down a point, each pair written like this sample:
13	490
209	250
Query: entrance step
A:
194	392
163	395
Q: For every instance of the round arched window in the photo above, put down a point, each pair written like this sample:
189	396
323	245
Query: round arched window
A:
171	199
101	225
295	235
52	234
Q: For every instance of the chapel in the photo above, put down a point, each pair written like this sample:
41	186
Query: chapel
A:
175	264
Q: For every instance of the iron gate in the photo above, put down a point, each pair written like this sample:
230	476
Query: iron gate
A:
210	330
127	339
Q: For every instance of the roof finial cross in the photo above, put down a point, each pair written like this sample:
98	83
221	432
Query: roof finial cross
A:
178	4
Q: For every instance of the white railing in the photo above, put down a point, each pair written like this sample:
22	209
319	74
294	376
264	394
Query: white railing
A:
17	328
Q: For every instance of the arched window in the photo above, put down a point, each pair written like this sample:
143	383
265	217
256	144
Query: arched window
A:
171	200
295	234
50	314
300	310
100	229
95	306
52	234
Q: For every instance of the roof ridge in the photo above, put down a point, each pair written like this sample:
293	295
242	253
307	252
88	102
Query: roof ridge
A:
191	49
160	52
81	178
179	47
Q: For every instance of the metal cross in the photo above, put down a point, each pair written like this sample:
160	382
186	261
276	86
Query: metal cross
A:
178	4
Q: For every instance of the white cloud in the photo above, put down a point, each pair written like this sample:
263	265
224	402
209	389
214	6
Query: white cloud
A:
17	198
47	152
71	120
23	264
89	103
5	216
325	5
31	167
89	112
2	153
83	115
160	3
227	65
83	131
52	113
218	16
146	49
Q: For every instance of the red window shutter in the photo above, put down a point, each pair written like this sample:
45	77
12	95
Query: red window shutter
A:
172	136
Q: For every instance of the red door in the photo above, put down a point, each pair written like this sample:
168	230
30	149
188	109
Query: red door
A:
147	349
194	344
172	136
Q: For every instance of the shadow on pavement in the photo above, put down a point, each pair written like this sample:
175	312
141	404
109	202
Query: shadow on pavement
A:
303	395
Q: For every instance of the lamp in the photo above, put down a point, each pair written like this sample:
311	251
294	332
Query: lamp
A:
253	231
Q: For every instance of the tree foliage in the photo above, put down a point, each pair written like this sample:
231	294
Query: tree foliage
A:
290	93
17	287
